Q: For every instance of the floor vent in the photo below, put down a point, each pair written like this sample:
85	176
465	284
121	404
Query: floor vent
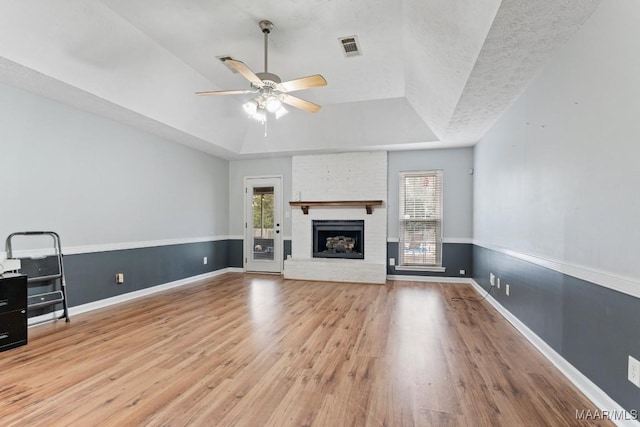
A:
350	46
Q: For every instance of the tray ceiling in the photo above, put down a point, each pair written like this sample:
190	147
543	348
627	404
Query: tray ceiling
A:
432	74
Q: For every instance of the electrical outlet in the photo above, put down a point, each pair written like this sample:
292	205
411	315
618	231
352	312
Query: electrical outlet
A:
492	279
392	261
462	272
506	289
204	260
634	371
120	278
498	281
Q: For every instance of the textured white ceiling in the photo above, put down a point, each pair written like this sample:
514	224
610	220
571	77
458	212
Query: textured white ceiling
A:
433	73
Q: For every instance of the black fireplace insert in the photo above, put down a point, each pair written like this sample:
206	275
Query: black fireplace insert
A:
338	239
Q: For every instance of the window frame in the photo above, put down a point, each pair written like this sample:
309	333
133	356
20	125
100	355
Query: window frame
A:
436	222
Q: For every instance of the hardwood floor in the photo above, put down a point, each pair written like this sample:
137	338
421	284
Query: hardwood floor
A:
254	350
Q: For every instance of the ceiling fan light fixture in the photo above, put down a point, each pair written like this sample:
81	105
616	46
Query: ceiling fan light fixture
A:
270	92
281	112
250	107
272	104
260	114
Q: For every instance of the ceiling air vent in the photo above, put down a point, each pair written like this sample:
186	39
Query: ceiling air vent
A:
350	46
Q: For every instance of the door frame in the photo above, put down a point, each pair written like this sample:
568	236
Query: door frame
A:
278	218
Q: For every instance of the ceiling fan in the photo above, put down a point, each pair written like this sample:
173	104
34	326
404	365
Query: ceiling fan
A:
271	92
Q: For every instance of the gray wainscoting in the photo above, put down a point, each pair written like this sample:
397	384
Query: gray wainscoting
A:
91	277
236	253
594	328
455	257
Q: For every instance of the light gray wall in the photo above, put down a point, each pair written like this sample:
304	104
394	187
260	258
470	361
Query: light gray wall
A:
557	178
558	175
95	181
238	169
457	187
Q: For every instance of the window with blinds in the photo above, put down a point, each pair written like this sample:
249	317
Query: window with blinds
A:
420	219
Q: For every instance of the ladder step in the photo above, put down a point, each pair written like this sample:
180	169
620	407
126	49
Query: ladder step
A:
40	279
44	299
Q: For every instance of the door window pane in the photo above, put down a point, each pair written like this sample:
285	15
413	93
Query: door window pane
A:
263	224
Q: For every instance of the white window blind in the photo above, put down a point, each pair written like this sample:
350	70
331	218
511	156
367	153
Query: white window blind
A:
421	219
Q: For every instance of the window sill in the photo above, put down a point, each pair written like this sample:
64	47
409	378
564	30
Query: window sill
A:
420	268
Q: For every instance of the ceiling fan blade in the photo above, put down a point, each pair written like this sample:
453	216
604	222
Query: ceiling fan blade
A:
240	67
302	83
225	92
302	104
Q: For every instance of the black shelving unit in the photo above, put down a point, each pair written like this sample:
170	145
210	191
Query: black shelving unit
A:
13	310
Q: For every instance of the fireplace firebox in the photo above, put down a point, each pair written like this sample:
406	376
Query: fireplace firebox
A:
338	239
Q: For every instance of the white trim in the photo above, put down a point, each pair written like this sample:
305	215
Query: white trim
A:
584	384
430	279
33	321
420	268
234	237
622	284
241	237
105	247
466	240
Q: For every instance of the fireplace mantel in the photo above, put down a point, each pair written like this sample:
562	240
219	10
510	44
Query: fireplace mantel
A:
367	204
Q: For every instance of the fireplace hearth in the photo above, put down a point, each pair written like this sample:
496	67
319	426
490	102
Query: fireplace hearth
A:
338	239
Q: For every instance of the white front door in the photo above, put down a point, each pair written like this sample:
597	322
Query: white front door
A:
263	224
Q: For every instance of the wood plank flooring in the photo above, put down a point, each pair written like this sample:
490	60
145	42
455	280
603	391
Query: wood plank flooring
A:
256	350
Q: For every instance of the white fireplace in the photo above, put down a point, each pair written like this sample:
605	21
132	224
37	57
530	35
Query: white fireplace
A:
339	177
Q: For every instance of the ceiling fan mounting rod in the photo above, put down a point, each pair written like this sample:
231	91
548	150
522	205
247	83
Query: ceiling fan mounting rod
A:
266	26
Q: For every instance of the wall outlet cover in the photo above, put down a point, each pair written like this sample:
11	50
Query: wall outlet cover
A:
204	260
506	289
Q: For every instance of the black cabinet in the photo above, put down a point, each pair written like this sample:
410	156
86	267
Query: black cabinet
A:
13	311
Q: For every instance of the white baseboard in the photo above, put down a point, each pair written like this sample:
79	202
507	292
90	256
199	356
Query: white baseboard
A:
83	308
584	384
441	279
